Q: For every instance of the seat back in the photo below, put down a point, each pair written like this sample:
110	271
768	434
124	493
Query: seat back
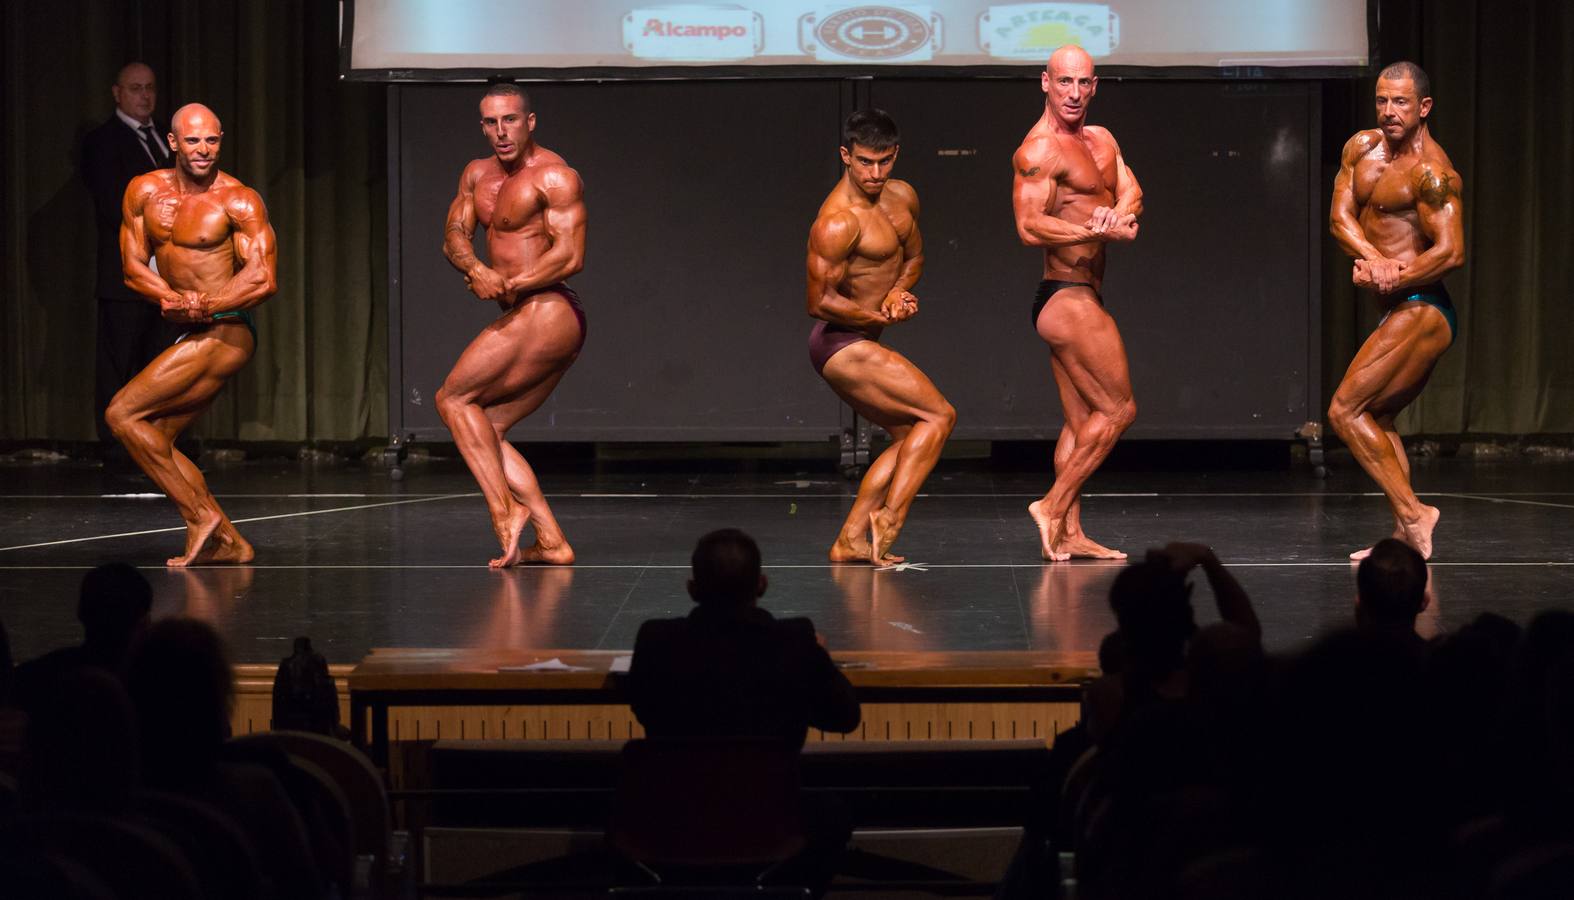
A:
220	853
707	802
130	859
357	779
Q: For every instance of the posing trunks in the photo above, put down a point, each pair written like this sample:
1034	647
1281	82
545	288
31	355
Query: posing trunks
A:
826	340
1049	287
242	316
573	301
1436	296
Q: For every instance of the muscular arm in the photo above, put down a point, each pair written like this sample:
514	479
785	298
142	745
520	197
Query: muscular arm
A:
912	248
565	227
831	242
1343	214
1033	190
136	249
1442	216
257	278
459	231
1128	193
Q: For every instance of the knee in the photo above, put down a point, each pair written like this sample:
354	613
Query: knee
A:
1120	416
1341	414
118	417
446	402
945	417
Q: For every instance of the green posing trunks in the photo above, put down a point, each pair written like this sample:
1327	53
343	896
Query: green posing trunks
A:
1436	296
242	315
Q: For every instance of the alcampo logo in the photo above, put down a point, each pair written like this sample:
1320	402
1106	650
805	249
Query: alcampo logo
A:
873	32
660	28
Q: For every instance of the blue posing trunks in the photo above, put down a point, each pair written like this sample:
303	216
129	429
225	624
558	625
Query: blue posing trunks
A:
1436	296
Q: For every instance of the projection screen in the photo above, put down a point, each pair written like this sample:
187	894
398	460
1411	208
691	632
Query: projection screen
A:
417	40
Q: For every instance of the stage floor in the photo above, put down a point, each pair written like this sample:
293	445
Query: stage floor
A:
357	561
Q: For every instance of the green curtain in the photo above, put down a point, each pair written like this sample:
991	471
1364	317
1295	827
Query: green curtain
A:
312	146
1503	86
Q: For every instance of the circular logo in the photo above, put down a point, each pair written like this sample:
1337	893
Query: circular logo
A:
873	32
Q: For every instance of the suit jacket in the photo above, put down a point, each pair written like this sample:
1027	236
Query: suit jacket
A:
112	155
737	672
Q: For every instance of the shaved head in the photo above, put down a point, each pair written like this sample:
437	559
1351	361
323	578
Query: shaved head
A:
194	117
1069	56
135	91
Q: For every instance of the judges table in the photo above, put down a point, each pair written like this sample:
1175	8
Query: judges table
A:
1003	693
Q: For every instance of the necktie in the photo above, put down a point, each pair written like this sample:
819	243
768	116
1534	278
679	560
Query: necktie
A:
149	141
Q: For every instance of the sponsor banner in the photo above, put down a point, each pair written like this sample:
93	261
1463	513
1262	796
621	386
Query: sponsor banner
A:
1032	31
870	34
695	32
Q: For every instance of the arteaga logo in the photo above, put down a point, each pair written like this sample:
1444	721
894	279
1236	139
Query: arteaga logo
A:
693	33
870	33
1034	30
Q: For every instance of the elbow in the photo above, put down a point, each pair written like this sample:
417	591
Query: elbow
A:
1028	238
1455	258
573	266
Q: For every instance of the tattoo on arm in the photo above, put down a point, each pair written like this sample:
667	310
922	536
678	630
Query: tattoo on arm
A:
1030	172
1437	188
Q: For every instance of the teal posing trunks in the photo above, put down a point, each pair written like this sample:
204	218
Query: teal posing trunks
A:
242	315
1434	295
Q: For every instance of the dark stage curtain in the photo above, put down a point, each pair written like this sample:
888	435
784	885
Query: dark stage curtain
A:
312	146
1503	85
1502	74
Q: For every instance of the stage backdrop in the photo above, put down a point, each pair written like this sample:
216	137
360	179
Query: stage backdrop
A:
1503	75
700	196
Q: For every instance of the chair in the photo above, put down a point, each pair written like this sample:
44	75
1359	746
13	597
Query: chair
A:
708	812
220	854
331	826
130	859
361	785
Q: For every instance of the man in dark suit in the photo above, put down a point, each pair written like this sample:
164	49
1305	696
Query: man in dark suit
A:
730	668
131	331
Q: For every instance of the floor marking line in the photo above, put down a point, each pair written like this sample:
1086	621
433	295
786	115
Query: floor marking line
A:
293	515
799	495
1491	499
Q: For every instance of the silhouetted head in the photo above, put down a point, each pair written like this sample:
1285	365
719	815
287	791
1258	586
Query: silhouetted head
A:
1390	586
181	684
113	606
726	567
1152	605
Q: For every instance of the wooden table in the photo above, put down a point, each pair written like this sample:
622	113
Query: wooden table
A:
436	677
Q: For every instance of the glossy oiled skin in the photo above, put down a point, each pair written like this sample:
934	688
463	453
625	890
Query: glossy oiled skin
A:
1072	193
865	255
1397	210
532	205
215	254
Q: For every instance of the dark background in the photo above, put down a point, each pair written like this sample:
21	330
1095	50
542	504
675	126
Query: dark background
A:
318	151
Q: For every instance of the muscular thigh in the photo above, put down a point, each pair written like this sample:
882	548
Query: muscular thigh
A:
1395	362
514	354
882	385
1089	356
181	381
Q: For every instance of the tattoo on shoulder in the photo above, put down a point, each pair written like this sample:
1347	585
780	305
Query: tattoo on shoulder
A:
1030	172
1437	188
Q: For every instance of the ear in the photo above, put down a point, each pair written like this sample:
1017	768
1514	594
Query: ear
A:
847	158
1425	106
1043	81
764	583
1093	86
530	123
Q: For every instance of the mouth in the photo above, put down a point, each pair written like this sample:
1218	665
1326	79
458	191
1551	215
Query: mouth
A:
503	148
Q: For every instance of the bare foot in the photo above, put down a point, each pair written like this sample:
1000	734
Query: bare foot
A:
1398	535
226	548
1418	534
197	536
1083	547
508	534
882	534
1051	533
858	551
540	554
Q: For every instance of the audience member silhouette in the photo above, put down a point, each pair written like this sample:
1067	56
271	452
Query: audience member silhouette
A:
1391	589
182	687
731	669
112	605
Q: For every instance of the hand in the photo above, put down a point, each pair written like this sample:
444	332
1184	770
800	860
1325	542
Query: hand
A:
1379	274
898	306
1183	556
485	283
1103	219
1124	229
185	306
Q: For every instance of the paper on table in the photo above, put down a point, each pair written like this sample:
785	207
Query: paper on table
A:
549	665
621	663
